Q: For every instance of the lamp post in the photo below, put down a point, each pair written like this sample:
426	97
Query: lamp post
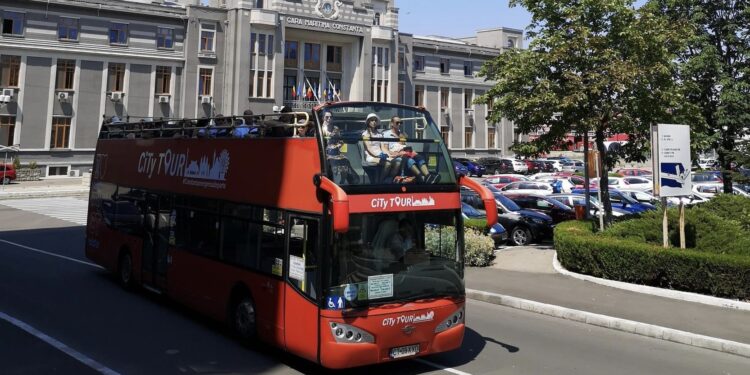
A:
13	148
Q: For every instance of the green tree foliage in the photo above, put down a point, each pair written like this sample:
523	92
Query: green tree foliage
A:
714	71
591	66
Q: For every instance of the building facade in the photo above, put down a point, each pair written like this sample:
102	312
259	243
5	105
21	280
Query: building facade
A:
65	65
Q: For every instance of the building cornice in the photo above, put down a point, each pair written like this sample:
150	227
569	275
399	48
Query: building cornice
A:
153	10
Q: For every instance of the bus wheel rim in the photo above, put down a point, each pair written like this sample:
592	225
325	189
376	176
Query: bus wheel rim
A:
245	317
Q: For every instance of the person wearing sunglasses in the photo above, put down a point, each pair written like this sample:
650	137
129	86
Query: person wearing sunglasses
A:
399	153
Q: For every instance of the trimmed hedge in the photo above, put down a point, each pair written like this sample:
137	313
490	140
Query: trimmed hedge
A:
730	207
479	248
631	260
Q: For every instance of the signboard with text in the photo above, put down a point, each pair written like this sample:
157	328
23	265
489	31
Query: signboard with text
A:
671	159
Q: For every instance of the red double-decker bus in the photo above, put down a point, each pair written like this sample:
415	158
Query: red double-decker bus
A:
320	233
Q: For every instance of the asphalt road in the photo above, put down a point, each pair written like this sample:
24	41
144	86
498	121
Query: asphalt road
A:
77	320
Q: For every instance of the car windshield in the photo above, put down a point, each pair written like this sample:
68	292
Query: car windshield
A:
492	188
470	211
507	202
381	143
397	257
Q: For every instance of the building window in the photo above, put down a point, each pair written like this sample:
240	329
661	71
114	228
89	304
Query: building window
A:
333	58
7	130
376	19
60	132
163	80
118	33
445	133
468	138
205	76
445	66
258	4
401	61
66	70
208	34
419	63
10	69
491	137
164	38
13	23
261	76
290	87
380	56
67	28
511	43
290	54
116	78
419	96
312	56
468	98
401	93
386	57
444	96
468	68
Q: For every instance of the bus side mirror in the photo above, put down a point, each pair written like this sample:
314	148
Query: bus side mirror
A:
490	207
339	203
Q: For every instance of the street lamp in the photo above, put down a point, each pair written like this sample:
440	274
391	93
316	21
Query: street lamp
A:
13	148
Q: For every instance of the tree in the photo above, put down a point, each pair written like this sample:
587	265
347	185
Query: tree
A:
714	70
591	66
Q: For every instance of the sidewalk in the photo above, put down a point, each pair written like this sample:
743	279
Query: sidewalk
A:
48	187
527	273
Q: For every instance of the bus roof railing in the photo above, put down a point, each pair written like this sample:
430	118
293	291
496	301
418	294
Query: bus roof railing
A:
260	125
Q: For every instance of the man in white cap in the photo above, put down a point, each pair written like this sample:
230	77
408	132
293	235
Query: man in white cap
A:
375	151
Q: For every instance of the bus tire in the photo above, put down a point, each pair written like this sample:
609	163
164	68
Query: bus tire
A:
520	236
125	270
243	318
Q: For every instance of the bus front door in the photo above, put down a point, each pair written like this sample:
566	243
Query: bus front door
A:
156	234
301	314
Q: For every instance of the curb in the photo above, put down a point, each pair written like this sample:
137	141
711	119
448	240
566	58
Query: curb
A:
44	194
660	292
624	325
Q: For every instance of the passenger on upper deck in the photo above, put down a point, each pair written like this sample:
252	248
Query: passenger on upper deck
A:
399	151
340	166
375	151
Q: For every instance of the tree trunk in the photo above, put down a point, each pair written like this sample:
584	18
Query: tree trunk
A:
725	161
603	176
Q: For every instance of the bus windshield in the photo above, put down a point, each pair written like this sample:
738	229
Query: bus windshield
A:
381	143
397	257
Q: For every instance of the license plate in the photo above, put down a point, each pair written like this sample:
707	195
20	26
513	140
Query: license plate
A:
405	351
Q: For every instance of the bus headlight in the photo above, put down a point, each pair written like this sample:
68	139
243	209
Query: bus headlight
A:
455	318
349	334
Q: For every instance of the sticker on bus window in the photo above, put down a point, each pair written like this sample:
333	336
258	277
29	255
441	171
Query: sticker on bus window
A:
335	302
362	292
296	268
277	266
432	161
351	292
380	286
343	148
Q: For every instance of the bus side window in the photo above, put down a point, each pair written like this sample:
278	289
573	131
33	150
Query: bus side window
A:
303	264
239	242
198	231
271	253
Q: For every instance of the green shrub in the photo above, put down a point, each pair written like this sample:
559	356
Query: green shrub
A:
730	207
16	163
479	248
629	259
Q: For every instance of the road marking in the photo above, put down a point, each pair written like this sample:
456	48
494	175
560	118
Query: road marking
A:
440	367
68	209
52	254
58	345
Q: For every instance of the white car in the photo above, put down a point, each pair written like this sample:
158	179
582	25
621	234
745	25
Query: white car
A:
688	201
567	186
631	182
541	176
518	166
711	189
706	163
535	187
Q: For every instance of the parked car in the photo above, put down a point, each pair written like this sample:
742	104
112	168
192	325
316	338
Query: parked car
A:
641	196
634	172
496	165
497	232
528	187
460	168
707	163
620	200
702	177
501	180
523	226
693	199
573	200
7	173
540	166
558	211
711	189
519	166
475	169
632	182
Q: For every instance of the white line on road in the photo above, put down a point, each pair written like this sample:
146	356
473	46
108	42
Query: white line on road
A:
52	254
58	345
440	367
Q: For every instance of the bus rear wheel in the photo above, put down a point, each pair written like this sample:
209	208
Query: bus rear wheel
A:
125	270
243	318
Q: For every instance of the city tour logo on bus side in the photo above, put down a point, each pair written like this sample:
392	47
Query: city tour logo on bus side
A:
386	203
409	319
202	171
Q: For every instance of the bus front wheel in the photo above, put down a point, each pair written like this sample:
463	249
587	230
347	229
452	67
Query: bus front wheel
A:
125	270
243	318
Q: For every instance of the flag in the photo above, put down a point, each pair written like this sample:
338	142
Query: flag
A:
317	90
294	93
300	89
309	92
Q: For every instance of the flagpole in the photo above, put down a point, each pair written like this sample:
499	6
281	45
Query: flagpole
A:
313	91
335	93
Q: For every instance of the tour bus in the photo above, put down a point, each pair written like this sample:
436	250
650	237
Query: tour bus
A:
280	226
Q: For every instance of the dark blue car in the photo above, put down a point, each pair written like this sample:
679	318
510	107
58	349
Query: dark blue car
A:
497	232
460	168
474	168
621	201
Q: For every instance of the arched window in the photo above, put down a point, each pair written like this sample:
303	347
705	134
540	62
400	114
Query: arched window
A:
376	20
511	43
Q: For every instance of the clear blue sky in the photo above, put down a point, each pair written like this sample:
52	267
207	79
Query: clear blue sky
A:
460	18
